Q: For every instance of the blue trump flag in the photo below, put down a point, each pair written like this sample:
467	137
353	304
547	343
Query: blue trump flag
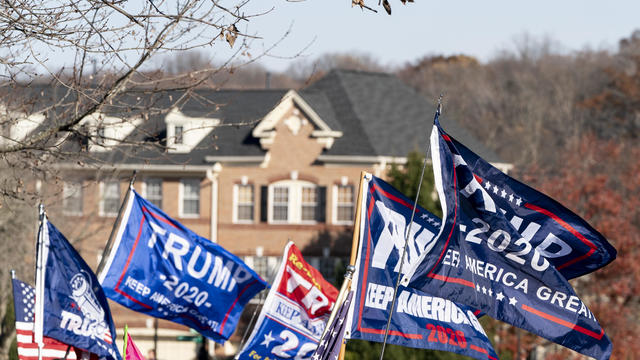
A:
568	242
160	268
70	304
419	320
499	272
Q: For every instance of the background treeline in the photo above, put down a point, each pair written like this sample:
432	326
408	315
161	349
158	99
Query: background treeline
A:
569	122
526	103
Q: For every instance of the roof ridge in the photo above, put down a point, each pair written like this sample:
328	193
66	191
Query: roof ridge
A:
359	71
245	90
354	113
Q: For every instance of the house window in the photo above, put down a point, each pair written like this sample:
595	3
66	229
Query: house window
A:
296	202
178	130
110	200
81	137
100	138
344	201
261	266
309	203
327	267
72	198
190	198
153	191
244	203
280	203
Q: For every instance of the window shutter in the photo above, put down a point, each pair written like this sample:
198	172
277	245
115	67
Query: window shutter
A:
264	194
322	204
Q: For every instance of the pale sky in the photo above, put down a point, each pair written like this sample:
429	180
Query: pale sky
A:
426	27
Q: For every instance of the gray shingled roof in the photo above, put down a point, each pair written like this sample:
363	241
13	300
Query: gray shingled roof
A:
377	113
383	116
321	104
231	107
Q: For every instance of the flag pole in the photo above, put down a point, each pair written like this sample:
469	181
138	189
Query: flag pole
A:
155	338
406	238
125	340
116	224
356	223
352	260
38	315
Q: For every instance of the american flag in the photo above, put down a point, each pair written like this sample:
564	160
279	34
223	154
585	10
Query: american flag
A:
24	303
331	341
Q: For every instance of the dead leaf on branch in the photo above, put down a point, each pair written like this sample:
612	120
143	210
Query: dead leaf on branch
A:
232	34
362	5
386	6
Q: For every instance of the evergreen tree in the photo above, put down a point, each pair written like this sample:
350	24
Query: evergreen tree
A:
406	179
7	331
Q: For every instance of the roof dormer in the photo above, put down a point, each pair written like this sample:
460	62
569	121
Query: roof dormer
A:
184	133
265	130
16	126
105	132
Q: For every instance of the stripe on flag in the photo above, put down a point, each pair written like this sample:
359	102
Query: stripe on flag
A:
24	302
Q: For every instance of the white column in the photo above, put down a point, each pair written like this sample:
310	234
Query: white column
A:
212	175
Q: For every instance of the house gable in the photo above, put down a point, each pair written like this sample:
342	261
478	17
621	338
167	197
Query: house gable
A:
294	112
293	143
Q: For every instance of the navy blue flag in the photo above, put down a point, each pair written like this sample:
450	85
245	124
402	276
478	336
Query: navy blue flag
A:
568	242
294	314
160	268
419	320
499	271
331	342
70	304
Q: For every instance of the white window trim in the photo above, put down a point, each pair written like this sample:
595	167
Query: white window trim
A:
272	266
334	210
295	202
144	188
270	204
234	210
181	200
64	208
316	188
101	210
272	261
194	129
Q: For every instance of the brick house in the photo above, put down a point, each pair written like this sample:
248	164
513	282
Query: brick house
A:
290	173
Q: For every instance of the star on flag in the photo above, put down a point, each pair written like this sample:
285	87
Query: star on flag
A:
268	338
